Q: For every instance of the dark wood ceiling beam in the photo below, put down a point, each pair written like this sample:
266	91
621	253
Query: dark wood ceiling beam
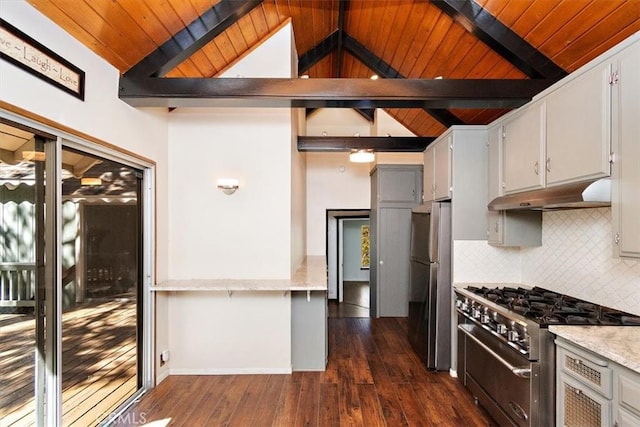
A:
385	70
368	58
405	144
341	15
192	38
500	38
319	51
331	93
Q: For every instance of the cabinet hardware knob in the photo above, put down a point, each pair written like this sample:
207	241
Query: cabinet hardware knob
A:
548	164
535	168
617	238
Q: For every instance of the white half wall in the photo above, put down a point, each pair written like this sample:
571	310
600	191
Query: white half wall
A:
332	183
245	333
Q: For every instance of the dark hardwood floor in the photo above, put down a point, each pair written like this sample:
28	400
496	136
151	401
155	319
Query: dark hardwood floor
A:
355	301
373	378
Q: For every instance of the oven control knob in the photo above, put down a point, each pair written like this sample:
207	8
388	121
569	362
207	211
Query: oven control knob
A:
501	328
464	305
459	303
485	318
475	312
513	335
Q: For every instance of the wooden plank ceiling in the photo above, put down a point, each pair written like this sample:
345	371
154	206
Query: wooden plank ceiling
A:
416	39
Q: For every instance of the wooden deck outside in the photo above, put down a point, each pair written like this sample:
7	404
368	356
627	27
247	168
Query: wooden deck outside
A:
98	363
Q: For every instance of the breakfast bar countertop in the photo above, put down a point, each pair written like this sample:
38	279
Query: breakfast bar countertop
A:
310	276
616	343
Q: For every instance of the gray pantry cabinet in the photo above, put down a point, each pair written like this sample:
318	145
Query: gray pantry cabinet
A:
395	190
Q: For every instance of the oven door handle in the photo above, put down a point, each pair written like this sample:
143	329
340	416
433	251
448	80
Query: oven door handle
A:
517	371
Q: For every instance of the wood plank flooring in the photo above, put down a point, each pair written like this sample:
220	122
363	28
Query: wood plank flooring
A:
98	363
373	378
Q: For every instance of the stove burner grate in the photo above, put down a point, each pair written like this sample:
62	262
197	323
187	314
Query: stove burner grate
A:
548	307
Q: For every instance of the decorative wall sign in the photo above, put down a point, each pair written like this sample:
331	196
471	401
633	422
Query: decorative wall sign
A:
22	51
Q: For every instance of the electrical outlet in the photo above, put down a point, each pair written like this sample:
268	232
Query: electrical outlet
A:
164	356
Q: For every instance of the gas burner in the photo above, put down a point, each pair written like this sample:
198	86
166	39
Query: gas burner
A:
551	308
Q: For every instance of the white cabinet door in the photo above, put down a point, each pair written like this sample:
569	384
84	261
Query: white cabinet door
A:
494	163
579	128
523	144
442	172
625	203
429	165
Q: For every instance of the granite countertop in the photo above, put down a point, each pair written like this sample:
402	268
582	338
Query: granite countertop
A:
620	344
310	276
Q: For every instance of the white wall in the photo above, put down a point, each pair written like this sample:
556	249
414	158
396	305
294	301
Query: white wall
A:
352	257
332	183
387	125
247	235
337	122
256	233
298	198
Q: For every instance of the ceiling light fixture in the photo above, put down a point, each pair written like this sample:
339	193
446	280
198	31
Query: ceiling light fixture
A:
228	185
362	156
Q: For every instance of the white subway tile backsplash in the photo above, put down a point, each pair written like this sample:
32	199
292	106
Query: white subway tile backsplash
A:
576	258
476	261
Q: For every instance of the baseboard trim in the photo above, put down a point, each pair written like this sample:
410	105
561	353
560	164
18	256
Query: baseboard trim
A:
231	371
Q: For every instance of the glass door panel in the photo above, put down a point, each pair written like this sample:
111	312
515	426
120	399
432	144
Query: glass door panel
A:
21	276
101	282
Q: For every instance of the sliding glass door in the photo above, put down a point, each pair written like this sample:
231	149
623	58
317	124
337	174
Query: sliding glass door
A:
22	284
73	261
101	283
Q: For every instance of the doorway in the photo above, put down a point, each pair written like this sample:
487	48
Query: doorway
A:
83	314
348	262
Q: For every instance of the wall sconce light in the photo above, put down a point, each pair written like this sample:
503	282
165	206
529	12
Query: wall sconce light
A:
90	181
227	185
362	156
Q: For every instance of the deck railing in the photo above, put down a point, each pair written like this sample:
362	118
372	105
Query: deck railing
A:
17	284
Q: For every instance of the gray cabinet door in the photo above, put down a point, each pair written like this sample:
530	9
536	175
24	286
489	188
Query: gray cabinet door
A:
394	226
401	185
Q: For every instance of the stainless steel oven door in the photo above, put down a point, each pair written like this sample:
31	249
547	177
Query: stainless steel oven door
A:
501	379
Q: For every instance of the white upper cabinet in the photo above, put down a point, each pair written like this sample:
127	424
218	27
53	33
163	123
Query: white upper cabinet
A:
428	182
625	197
507	228
524	149
437	170
442	171
579	128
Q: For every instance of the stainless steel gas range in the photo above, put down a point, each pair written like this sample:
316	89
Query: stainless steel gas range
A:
506	355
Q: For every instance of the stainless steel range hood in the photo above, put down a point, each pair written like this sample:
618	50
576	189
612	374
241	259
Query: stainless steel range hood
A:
587	194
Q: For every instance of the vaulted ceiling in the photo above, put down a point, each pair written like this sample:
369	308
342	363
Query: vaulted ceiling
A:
414	39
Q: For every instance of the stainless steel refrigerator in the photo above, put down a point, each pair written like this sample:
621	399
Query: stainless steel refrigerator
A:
430	284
